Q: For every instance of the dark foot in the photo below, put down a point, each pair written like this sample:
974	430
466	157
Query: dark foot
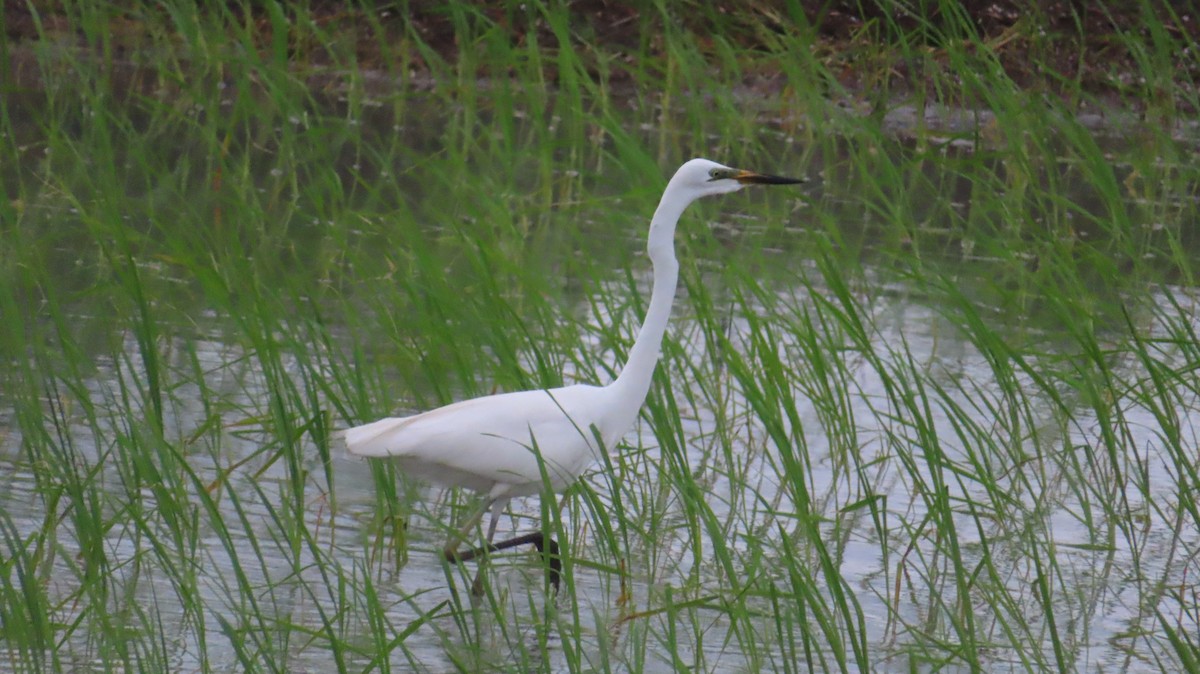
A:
550	551
548	547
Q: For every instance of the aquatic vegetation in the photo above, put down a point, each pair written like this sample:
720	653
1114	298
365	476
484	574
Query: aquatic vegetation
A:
938	410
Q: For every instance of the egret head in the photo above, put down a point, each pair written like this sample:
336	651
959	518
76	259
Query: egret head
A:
701	177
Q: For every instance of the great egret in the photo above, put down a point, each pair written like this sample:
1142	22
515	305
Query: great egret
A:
517	444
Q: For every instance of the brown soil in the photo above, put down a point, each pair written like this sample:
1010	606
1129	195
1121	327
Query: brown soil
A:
1059	46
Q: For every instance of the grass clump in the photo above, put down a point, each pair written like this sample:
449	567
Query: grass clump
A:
936	409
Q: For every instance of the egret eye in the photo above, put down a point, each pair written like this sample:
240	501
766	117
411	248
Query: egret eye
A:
717	174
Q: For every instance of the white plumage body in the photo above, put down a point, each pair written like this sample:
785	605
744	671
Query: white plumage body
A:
517	444
492	444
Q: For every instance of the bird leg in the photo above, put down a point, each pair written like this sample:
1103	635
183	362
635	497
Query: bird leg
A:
545	545
548	547
450	552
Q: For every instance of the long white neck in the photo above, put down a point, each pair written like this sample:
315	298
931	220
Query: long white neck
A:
633	383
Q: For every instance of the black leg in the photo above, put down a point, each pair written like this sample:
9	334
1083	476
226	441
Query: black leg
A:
544	544
450	552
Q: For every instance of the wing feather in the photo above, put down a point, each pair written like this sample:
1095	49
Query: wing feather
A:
488	443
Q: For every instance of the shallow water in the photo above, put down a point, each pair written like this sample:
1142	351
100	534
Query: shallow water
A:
1118	558
1106	586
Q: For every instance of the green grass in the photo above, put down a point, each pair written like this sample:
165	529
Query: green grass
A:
935	410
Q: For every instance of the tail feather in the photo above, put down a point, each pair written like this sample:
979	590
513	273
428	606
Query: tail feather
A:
369	440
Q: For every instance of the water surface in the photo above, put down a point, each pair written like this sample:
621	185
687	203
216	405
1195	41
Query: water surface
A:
185	396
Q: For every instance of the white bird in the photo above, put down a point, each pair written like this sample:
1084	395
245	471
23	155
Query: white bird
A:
520	444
